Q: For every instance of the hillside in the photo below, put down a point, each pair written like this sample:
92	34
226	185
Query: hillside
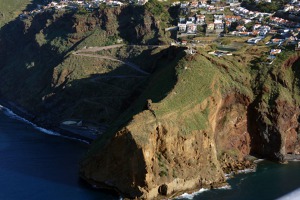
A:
167	121
65	86
199	118
10	9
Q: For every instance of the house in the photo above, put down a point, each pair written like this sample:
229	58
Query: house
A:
244	33
184	5
215	1
278	21
200	19
182	28
231	1
254	40
220	9
232	18
118	3
273	32
246	21
140	2
219	26
203	2
176	3
297	47
211	9
182	20
191	28
288	7
218	17
228	23
255	33
256	26
194	4
277	41
241	28
210	27
275	51
191	20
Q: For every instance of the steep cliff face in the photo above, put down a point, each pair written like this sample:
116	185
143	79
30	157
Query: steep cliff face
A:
152	158
180	128
273	116
233	137
186	146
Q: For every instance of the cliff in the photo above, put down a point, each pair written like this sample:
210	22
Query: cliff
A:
215	115
176	122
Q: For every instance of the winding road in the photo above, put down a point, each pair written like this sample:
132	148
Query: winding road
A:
85	52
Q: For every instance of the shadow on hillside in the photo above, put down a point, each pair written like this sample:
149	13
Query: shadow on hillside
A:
28	62
296	70
105	96
30	50
133	27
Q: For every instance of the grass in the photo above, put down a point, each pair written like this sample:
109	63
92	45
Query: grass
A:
11	9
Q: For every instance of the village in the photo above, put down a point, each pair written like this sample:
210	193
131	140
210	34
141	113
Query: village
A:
215	18
76	4
229	19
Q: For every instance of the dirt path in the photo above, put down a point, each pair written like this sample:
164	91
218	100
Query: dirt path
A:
116	76
95	49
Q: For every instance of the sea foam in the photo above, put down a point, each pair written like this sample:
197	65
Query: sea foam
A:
13	115
192	195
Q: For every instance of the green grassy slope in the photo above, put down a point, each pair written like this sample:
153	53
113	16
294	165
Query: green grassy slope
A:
10	9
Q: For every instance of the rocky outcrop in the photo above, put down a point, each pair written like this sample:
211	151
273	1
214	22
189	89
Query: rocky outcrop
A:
203	117
173	162
153	159
169	162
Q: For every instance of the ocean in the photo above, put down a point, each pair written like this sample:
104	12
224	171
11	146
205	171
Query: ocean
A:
39	164
270	181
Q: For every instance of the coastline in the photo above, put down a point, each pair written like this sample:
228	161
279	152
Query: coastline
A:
30	118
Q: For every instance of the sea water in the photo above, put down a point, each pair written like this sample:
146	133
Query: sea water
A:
39	164
269	181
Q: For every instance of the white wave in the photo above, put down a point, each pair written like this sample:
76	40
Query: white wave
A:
191	196
229	176
258	160
225	187
12	115
295	160
245	171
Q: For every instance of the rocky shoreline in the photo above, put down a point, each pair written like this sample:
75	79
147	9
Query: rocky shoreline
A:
18	110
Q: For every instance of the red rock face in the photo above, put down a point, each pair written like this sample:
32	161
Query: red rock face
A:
287	122
232	132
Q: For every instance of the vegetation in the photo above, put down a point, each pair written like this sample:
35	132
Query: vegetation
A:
263	6
10	9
